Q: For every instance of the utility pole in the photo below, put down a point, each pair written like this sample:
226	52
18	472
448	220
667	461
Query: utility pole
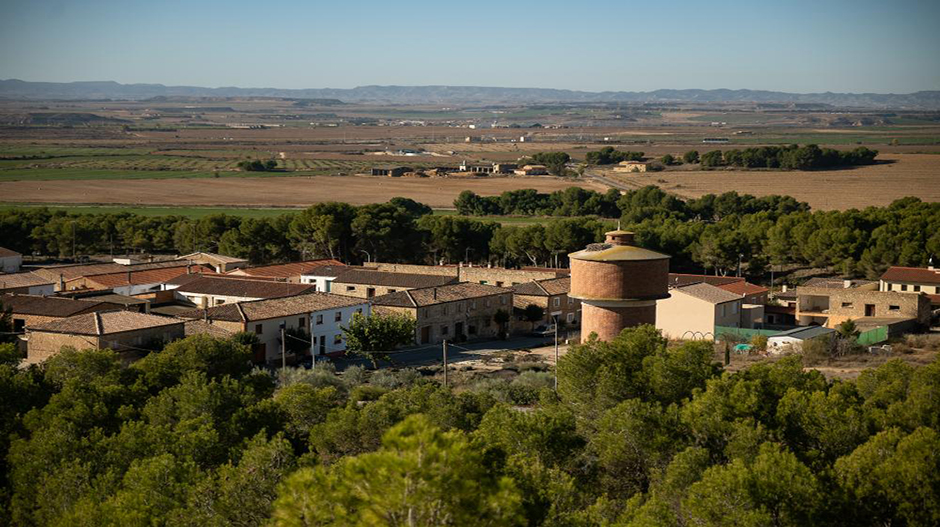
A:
556	354
283	350
445	363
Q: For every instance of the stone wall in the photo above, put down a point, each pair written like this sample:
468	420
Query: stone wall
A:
850	303
42	345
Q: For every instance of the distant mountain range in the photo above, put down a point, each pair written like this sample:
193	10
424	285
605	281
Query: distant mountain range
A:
17	89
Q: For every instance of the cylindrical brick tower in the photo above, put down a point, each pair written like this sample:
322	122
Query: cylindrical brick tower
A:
618	284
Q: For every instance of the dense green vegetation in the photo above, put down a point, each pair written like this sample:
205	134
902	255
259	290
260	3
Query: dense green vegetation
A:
609	156
793	157
638	434
257	165
711	232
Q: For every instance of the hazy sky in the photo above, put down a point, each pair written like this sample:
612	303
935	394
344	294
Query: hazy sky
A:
797	46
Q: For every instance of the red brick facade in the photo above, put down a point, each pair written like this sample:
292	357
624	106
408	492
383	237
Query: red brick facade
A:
639	279
607	322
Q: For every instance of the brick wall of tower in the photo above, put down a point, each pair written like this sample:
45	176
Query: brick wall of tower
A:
607	322
620	279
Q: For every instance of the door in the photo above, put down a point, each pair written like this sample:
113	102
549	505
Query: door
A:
425	334
458	330
370	292
261	353
869	310
322	344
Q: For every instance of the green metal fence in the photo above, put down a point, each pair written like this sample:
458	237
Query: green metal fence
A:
873	336
744	333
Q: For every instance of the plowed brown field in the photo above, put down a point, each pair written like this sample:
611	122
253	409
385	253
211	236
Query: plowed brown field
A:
270	191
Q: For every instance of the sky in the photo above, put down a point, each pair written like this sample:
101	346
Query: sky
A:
793	46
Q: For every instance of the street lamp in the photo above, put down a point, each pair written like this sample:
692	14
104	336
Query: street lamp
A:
368	256
740	256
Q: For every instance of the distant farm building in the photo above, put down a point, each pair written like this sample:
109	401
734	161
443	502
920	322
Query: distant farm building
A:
631	166
390	171
477	168
531	170
716	141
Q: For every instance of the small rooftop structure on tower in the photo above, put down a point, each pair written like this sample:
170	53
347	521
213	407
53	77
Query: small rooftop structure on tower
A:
618	284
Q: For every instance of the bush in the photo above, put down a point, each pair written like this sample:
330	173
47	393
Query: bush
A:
925	342
759	342
355	375
392	379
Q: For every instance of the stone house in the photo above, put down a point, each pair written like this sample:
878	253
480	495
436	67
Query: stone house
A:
367	283
453	312
321	315
33	310
10	261
830	306
219	262
216	290
130	333
26	283
913	280
551	294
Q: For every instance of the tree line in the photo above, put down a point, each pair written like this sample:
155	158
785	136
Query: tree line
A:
713	232
792	157
639	433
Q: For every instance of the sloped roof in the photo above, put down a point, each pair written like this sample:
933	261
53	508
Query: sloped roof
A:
385	278
707	292
743	288
52	306
286	270
274	308
69	272
28	279
244	288
146	276
6	253
438	295
912	274
221	258
607	252
805	333
199	327
545	287
104	323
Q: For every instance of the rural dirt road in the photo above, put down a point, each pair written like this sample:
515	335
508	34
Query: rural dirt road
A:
270	191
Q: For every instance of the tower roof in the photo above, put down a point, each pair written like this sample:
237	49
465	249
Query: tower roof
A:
607	252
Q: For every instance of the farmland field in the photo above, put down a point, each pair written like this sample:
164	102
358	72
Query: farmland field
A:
271	191
909	175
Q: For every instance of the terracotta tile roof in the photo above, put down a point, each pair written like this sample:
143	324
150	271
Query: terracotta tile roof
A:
221	258
147	276
14	280
438	295
69	272
680	279
274	308
388	279
52	306
707	292
546	287
244	288
6	253
288	270
199	327
104	323
917	275
743	288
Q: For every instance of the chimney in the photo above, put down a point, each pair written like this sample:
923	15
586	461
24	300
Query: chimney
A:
435	293
619	237
189	268
128	276
61	282
205	314
846	284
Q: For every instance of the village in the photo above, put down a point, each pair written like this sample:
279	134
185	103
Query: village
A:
297	311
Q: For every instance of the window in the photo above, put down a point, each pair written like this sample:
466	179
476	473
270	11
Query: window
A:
847	304
903	287
219	302
445	309
916	289
502	300
483	282
302	321
370	292
473	304
472	330
499	284
570	318
556	302
734	308
18	324
258	329
890	286
445	330
390	291
337	339
894	308
570	301
350	288
723	310
338	316
319	319
486	303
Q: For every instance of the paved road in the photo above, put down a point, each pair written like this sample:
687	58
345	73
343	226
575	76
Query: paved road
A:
456	353
609	182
